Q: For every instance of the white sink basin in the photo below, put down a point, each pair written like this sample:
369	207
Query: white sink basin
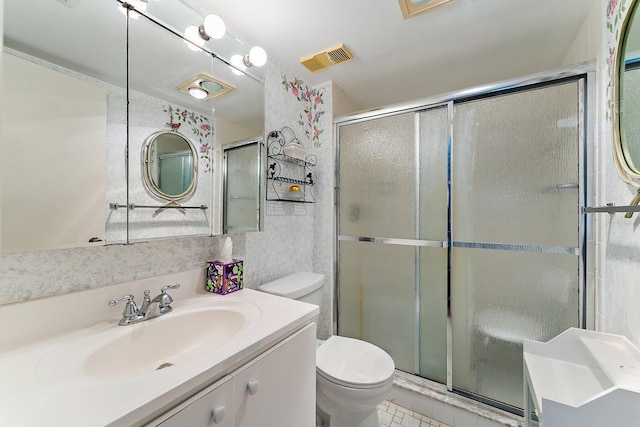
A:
188	332
165	341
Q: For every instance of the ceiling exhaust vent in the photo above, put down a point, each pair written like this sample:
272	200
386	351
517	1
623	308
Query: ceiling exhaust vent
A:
322	60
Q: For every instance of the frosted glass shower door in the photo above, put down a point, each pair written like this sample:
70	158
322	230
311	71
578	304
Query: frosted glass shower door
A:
392	232
515	269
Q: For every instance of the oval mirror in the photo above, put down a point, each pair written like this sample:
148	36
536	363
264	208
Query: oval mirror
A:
170	166
627	145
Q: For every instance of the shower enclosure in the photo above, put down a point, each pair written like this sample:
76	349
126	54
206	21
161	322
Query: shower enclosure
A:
460	230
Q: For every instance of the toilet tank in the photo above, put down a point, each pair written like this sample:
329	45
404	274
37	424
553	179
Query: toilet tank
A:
302	286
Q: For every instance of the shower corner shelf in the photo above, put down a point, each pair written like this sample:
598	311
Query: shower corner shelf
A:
291	179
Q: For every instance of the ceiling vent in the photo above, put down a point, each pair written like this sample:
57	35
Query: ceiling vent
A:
322	60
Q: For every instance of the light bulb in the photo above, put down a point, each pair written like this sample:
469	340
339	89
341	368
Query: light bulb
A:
198	92
213	26
192	34
238	65
257	56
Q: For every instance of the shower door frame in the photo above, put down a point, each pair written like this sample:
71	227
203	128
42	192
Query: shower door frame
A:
585	75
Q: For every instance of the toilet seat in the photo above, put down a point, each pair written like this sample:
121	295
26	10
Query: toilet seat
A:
353	363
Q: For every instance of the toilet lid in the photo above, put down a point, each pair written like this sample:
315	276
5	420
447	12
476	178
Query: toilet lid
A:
353	363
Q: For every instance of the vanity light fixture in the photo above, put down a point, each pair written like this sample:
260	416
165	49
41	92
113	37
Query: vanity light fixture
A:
256	57
237	62
212	27
192	34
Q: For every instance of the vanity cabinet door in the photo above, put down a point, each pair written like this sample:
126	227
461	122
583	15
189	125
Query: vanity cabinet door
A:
278	388
212	407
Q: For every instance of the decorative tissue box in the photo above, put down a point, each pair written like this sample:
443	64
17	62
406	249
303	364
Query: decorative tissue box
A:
295	149
223	278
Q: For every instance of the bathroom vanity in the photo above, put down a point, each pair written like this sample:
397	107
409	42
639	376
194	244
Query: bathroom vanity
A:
267	388
243	359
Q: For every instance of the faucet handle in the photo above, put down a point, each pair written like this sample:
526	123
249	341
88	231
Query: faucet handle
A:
164	288
164	299
131	309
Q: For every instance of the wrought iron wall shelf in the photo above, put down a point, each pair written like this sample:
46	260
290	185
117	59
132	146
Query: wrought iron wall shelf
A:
290	179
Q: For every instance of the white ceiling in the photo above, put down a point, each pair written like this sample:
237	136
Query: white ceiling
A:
462	44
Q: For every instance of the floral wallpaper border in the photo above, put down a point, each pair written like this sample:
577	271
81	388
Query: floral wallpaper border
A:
200	127
312	100
615	17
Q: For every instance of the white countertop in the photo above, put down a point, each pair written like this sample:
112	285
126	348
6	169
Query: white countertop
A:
32	392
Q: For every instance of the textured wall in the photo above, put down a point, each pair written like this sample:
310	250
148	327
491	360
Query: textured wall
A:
38	274
297	236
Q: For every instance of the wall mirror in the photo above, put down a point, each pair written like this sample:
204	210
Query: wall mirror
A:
627	122
68	67
170	165
59	66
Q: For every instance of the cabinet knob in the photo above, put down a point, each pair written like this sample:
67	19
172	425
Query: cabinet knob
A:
253	387
218	414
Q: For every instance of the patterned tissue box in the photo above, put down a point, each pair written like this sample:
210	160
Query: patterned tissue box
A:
223	278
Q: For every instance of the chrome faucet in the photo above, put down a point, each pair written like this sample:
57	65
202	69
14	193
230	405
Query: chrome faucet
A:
159	305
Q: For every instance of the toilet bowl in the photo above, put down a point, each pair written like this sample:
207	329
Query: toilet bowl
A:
352	376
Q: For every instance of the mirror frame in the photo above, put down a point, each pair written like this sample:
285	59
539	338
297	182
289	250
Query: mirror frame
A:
148	181
625	171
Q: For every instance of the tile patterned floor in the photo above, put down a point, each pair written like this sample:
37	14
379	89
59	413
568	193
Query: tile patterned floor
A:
392	415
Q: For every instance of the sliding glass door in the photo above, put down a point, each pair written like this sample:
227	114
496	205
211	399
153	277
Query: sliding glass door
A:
515	231
459	233
392	237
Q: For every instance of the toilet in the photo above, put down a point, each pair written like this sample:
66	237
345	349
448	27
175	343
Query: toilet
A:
352	376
